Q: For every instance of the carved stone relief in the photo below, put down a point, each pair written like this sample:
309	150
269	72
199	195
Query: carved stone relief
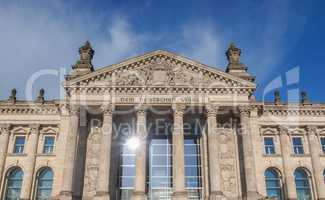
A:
228	168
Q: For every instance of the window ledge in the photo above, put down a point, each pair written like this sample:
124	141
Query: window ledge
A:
16	154
271	155
46	154
300	155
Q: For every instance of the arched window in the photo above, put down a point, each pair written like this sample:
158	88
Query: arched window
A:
273	184
13	184
324	175
302	184
44	182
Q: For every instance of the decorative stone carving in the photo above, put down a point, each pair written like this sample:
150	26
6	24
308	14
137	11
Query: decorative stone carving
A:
4	128
40	98
277	98
83	65
228	166
108	109
12	97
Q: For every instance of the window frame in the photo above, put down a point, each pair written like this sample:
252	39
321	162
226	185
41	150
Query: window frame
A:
322	145
44	144
307	178
278	179
22	147
297	147
7	176
269	149
41	170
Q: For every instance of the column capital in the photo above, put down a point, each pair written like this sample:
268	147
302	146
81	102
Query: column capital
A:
311	129
244	111
283	130
5	128
108	109
211	109
34	128
141	110
179	109
74	109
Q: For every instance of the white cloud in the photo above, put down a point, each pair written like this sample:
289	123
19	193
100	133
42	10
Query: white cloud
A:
32	40
202	42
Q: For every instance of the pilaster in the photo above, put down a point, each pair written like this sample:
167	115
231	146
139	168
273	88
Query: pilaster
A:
314	146
31	150
289	181
4	141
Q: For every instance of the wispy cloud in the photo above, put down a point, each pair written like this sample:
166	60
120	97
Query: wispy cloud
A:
40	40
47	37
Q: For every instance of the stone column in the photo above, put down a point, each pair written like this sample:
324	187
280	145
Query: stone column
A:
213	154
139	192
286	150
249	158
179	191
314	146
4	140
70	153
29	166
102	190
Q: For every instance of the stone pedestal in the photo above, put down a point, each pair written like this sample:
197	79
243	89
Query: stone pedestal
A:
102	190
31	150
139	192
179	191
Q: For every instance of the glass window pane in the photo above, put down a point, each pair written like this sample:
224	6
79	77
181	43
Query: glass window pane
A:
44	184
14	182
302	185
192	167
272	182
19	144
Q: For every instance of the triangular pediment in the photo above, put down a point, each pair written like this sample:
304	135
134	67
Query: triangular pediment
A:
159	68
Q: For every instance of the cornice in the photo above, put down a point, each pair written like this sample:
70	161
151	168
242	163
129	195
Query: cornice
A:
159	90
29	109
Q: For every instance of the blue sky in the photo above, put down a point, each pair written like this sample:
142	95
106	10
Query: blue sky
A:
278	38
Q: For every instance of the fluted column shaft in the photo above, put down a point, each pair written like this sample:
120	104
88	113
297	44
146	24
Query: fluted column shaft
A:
179	191
31	150
4	140
314	146
286	150
249	158
70	152
139	192
213	151
105	155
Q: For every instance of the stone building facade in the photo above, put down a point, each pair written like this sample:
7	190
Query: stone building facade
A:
161	126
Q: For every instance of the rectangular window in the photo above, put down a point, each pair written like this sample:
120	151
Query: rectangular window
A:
298	147
269	145
48	145
19	144
322	142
